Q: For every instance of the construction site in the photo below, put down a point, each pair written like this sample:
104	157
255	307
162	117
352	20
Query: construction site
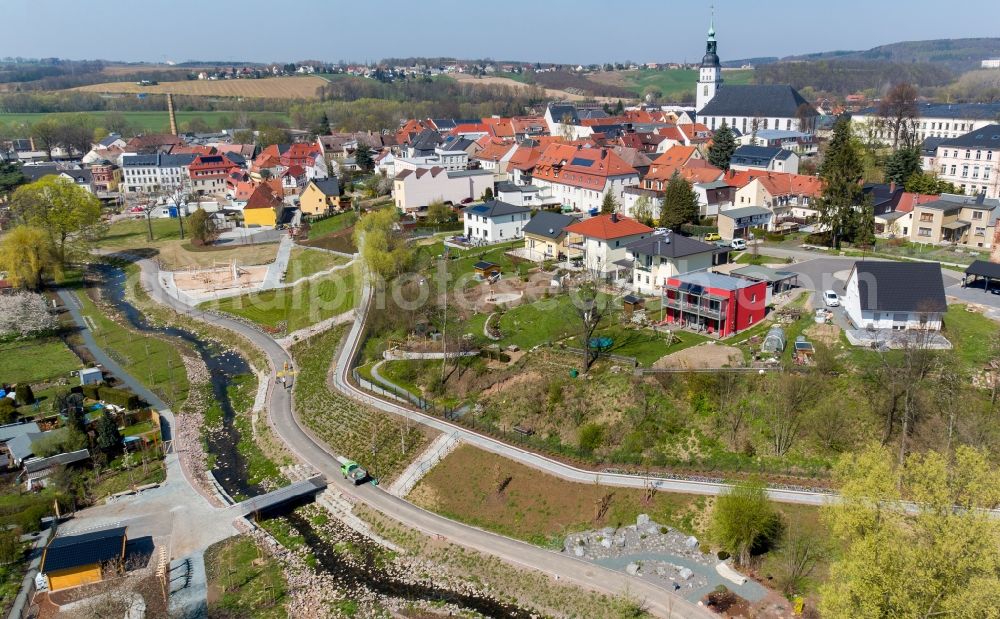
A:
224	278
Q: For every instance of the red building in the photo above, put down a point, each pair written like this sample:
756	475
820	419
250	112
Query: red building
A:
719	304
209	173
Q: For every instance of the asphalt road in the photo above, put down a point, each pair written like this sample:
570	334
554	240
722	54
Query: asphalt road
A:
310	450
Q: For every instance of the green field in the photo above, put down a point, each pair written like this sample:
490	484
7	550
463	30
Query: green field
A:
154	121
290	309
244	581
36	360
677	81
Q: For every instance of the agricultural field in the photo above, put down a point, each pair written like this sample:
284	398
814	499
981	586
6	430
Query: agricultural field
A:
155	122
671	83
296	307
382	444
303	87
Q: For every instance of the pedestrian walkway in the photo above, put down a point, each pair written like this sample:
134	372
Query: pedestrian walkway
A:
276	270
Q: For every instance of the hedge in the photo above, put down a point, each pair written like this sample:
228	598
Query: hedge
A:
694	230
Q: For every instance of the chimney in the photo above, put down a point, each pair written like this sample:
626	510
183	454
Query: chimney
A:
171	114
892	186
614	218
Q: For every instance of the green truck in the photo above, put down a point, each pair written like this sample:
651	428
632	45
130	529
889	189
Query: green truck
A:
353	471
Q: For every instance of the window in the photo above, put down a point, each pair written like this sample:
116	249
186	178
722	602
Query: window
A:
953	170
926	217
980	231
986	173
979	154
965	171
968	154
944	169
977	214
926	232
975	172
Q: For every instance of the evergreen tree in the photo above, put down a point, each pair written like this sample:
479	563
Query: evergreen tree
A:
322	126
609	204
619	108
680	203
722	148
901	165
842	172
363	158
921	182
109	439
487	194
864	234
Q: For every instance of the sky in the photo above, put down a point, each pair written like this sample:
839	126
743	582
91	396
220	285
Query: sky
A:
561	31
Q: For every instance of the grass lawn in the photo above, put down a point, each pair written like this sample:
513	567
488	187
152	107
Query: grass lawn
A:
132	233
645	345
535	323
36	360
296	307
543	509
749	258
461	264
243	581
336	223
405	373
153	361
115	479
970	333
157	121
305	262
674	82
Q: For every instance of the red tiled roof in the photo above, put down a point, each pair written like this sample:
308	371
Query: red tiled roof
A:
263	197
580	167
493	149
608	227
295	170
500	127
524	124
908	200
777	183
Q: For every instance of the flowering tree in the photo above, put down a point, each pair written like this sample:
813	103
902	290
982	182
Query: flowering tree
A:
24	315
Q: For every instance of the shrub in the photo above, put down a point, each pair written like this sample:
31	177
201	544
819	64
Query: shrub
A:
591	436
91	391
8	412
722	555
24	394
119	397
25	315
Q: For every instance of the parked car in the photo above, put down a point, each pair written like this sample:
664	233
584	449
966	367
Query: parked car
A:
722	244
831	298
713	236
738	244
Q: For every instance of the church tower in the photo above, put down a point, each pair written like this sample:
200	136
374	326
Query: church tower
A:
710	73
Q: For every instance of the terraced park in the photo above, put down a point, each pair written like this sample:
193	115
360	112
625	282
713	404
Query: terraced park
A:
385	444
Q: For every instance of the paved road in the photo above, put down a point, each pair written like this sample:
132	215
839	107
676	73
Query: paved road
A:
310	450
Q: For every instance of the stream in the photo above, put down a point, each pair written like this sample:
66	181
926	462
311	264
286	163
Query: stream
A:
231	471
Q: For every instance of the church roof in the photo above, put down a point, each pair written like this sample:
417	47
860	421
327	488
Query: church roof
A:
759	100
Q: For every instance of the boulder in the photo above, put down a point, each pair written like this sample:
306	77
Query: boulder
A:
685	573
691	542
642	519
606	542
632	569
578	551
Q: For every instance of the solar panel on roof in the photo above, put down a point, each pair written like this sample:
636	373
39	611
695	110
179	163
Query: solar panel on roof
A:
582	162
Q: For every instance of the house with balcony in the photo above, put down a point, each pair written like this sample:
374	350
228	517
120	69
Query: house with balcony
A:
955	219
712	303
602	240
545	237
771	158
736	223
656	259
494	221
787	196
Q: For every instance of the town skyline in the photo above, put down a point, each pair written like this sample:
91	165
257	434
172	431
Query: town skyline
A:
678	39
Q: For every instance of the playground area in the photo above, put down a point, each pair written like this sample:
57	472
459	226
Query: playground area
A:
505	291
229	277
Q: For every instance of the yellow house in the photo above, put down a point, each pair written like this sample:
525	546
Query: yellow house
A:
545	237
320	196
262	207
76	560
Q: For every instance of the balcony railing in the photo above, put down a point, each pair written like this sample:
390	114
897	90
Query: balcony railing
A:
696	308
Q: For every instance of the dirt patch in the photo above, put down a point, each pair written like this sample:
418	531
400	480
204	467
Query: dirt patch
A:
220	279
304	87
826	334
702	356
512	381
342	241
180	254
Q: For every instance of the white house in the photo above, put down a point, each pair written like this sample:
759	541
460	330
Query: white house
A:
579	178
413	190
971	161
895	295
769	158
494	221
155	173
662	256
603	239
936	120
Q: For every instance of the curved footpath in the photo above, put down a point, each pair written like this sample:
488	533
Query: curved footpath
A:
310	450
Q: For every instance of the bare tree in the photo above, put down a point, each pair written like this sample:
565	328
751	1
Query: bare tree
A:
898	109
593	309
732	407
785	399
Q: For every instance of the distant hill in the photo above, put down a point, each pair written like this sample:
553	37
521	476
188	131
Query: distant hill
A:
958	55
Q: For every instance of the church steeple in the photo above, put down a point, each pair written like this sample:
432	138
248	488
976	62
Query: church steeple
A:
710	74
